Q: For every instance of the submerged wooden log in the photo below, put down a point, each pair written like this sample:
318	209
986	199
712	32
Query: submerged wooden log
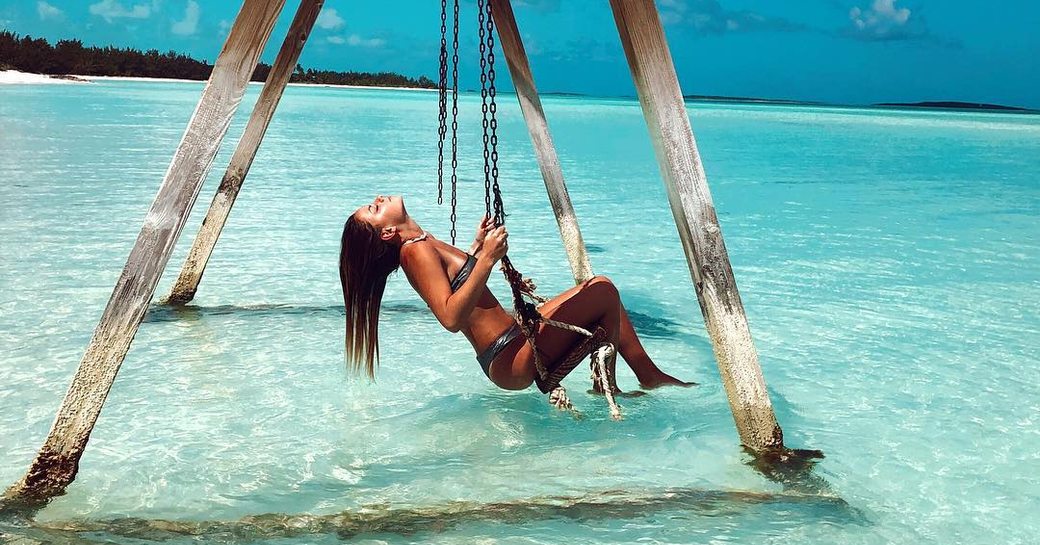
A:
548	162
383	519
202	248
57	462
665	111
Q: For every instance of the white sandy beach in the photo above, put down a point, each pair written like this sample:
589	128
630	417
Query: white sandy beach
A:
16	77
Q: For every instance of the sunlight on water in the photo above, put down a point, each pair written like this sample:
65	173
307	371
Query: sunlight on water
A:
889	262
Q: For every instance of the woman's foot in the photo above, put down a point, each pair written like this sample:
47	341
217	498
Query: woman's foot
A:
660	378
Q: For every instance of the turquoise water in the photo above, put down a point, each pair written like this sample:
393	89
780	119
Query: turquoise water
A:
889	262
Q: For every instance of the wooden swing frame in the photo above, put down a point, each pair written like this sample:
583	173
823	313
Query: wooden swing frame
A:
646	49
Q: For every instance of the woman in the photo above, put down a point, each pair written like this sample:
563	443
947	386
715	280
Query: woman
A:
381	236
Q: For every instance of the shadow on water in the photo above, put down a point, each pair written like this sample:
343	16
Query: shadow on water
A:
159	313
652	326
645	324
382	519
655	326
595	249
793	468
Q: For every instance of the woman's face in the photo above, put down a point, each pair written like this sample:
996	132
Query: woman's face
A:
384	211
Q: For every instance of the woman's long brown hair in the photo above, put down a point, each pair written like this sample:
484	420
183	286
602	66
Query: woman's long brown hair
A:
365	261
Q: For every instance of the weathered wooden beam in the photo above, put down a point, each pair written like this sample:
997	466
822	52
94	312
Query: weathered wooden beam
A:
57	462
538	128
202	248
665	111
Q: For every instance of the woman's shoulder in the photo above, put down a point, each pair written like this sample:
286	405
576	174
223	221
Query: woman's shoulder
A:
421	251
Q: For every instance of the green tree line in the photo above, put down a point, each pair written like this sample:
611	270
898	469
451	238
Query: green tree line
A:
37	55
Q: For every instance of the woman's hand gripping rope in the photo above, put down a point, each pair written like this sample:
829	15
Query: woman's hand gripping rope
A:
482	231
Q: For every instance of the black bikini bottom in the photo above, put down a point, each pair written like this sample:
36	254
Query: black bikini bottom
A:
488	355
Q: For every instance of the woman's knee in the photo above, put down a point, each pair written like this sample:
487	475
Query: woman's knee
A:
603	286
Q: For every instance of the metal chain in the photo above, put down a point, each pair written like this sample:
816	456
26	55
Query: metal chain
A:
493	120
442	104
482	10
454	117
527	314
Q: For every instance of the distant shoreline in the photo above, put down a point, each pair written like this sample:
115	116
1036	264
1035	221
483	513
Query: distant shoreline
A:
296	84
38	56
925	105
19	77
954	105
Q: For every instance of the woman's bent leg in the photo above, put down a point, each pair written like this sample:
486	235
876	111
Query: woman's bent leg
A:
586	305
631	349
594	303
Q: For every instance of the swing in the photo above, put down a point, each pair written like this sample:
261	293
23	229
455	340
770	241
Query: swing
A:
603	353
657	85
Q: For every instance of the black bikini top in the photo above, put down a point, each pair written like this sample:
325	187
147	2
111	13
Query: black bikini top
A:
463	274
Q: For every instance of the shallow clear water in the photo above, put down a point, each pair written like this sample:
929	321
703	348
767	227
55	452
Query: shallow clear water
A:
888	262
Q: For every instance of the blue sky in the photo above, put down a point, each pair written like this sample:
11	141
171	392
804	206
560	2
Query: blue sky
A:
844	51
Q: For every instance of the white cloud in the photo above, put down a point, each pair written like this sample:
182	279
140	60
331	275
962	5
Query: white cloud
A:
883	20
355	40
329	19
224	26
710	17
190	23
47	11
112	9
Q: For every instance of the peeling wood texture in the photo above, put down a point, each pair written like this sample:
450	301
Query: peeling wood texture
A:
665	111
56	464
202	248
548	162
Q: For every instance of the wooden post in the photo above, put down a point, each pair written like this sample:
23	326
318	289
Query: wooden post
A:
191	272
548	162
665	111
57	462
